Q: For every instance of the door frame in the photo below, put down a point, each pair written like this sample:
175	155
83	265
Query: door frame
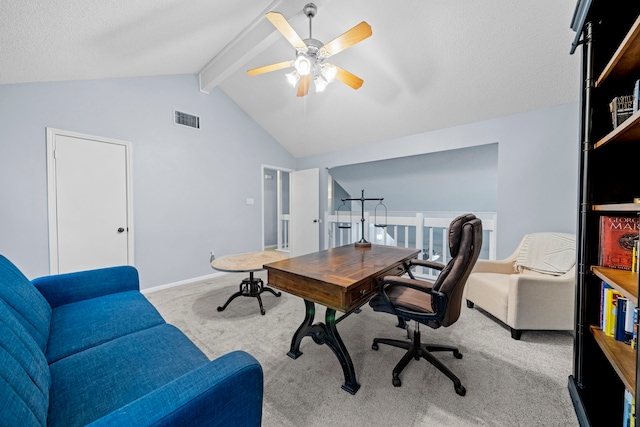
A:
52	195
263	168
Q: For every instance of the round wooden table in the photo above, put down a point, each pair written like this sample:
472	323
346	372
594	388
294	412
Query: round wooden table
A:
248	262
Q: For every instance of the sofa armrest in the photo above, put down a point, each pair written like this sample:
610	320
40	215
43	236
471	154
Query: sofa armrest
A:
225	392
67	288
504	266
542	301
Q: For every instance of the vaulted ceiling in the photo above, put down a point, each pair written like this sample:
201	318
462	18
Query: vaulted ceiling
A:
429	64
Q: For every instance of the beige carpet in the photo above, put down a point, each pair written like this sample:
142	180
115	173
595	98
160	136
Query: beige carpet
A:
508	382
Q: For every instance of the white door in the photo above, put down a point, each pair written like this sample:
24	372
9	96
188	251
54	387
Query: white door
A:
89	202
305	210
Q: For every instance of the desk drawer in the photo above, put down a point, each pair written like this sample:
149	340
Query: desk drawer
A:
368	289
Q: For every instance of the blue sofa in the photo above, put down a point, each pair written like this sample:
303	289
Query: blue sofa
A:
88	348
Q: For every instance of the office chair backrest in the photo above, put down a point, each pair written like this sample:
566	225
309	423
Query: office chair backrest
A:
465	241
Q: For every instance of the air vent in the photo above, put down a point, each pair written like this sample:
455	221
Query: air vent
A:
185	119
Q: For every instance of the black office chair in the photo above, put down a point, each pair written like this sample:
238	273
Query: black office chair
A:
432	304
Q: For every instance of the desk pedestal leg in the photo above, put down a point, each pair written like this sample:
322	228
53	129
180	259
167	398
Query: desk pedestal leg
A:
325	334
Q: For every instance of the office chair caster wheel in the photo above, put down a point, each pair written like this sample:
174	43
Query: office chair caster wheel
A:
374	346
460	390
396	381
457	354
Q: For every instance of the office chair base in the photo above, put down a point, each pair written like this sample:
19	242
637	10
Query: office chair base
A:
417	350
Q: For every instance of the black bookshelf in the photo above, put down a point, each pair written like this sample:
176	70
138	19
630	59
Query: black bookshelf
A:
608	38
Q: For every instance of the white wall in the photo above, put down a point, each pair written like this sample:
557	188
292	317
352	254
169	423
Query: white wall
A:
537	166
189	186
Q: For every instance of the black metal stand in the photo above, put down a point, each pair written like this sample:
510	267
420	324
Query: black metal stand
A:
363	242
251	287
322	333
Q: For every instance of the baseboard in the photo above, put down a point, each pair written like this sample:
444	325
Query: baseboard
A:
581	414
182	282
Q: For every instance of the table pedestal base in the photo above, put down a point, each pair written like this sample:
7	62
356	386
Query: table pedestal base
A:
251	287
322	333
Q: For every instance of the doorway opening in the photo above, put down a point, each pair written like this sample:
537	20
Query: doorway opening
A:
275	208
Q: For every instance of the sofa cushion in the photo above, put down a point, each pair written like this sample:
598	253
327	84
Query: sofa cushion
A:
24	374
99	380
84	324
29	306
490	291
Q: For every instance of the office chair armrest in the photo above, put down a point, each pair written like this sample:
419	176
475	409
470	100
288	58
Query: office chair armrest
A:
425	263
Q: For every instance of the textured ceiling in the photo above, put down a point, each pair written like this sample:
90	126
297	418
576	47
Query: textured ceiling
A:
430	64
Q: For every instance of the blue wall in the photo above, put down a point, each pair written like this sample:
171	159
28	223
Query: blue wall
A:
189	186
452	180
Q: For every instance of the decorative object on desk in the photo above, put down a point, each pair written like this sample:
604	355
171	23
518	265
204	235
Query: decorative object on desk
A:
621	108
363	242
618	235
377	215
311	55
343	224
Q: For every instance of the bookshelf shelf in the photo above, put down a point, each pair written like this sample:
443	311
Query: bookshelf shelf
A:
621	280
621	356
618	207
626	60
628	131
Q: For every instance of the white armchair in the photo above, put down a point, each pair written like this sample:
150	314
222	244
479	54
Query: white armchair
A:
525	298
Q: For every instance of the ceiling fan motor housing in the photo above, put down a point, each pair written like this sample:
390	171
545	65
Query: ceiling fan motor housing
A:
310	10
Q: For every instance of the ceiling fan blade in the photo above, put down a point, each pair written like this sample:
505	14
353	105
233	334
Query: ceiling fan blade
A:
303	85
269	68
282	25
348	39
347	78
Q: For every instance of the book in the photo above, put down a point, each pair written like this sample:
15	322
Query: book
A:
621	317
629	321
634	338
636	95
610	309
627	412
618	235
621	108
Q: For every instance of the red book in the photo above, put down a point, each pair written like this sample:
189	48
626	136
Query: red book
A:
618	234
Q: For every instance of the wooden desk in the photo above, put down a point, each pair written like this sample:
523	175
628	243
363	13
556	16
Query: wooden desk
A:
248	262
341	279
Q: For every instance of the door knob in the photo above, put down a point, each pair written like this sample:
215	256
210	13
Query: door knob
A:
120	230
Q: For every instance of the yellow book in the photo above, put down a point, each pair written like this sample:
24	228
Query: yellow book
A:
611	302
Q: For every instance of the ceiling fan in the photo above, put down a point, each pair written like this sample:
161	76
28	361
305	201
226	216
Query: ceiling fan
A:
311	55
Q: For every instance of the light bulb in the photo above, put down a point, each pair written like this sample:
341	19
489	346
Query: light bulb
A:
321	84
329	72
293	78
303	65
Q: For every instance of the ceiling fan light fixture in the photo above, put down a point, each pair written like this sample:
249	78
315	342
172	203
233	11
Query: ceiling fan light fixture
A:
320	83
329	72
303	65
293	78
